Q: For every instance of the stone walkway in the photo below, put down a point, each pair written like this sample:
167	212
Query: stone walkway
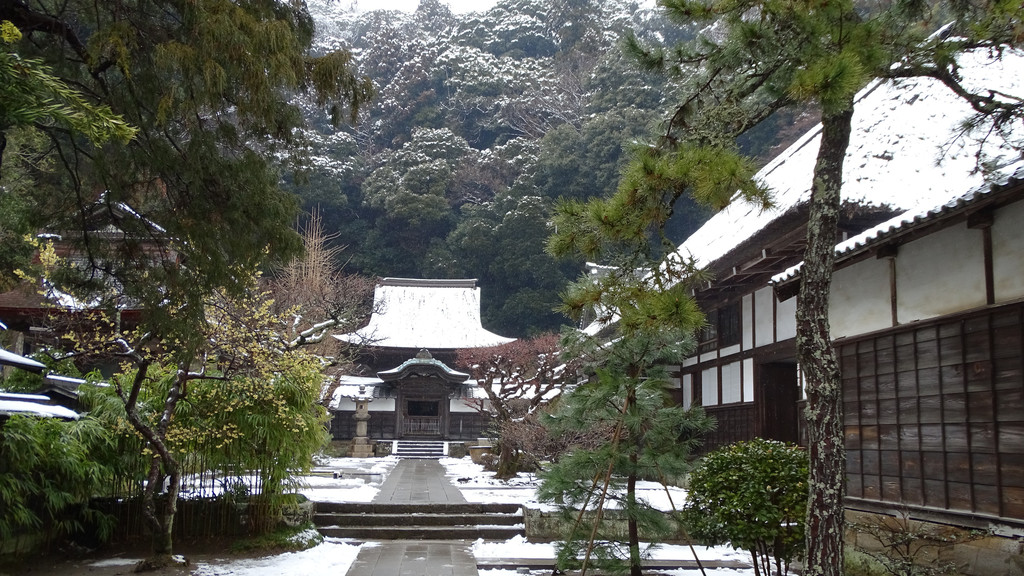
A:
416	481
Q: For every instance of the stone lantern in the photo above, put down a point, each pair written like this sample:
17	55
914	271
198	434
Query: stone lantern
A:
361	446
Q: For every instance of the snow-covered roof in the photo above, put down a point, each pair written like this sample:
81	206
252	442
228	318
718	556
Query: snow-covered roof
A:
352	386
431	314
907	151
423	365
32	405
914	218
18	361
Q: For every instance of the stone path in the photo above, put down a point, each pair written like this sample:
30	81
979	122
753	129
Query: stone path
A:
416	481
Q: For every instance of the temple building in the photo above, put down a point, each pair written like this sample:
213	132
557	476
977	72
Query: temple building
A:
409	346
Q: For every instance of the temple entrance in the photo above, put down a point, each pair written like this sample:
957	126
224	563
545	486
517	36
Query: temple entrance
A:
421	417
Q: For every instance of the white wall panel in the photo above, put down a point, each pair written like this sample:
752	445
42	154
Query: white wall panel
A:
687	382
747	311
732	388
764	317
1008	253
381	405
940	274
860	298
748	380
729	350
709	387
460	405
785	320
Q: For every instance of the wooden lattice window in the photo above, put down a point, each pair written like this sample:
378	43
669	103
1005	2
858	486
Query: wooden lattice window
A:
723	328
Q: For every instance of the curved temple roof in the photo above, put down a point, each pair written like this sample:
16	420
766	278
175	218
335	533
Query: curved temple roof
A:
423	365
431	314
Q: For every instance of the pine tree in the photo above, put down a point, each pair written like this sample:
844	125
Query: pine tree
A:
645	437
210	86
177	218
626	404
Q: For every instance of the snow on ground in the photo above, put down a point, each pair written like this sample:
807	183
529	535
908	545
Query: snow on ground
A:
359	480
346	479
334	556
518	547
478	485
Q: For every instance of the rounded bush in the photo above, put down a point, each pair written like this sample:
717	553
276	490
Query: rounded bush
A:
752	495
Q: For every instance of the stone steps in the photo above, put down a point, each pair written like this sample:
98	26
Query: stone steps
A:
419	521
419	449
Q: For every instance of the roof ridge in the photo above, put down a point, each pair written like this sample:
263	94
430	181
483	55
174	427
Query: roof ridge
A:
430	282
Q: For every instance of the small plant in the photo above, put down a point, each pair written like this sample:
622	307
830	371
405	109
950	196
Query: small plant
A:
752	495
906	547
282	539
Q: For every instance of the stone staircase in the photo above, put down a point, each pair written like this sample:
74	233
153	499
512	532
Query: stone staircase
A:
419	449
375	522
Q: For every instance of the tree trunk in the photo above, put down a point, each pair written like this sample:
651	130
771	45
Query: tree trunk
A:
817	356
508	463
634	532
631	525
162	466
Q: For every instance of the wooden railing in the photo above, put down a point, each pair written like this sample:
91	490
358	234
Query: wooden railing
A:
422	425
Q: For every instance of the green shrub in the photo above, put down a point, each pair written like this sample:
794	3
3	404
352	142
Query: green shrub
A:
49	471
752	495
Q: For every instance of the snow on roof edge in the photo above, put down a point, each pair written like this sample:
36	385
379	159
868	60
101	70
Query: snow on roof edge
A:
912	219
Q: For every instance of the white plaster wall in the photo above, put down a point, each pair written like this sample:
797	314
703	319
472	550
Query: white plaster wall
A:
690	361
687	382
348	404
940	274
732	387
460	405
709	387
734	349
765	332
1008	253
785	323
379	405
748	380
747	312
860	298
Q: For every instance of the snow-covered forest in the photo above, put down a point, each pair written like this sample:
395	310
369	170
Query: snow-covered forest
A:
480	121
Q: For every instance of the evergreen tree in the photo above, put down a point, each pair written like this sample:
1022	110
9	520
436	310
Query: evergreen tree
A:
207	84
754	58
175	220
646	436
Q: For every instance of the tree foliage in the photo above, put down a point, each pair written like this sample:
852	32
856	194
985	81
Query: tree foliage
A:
539	99
519	379
646	437
50	469
208	85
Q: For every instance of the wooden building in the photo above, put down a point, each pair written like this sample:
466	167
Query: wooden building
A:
37	315
926	311
408	347
927	319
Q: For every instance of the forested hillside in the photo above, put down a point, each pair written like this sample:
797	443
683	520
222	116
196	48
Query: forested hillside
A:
480	122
